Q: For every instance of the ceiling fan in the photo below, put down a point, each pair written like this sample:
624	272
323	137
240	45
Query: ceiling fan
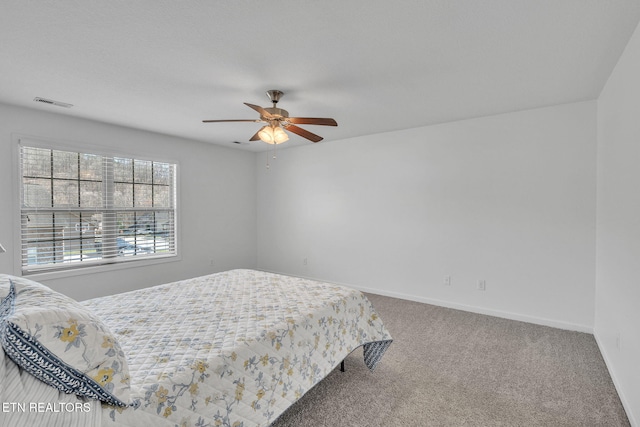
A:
276	119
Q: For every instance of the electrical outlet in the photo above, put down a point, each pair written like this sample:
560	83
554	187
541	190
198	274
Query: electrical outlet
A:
618	341
211	263
304	261
447	280
482	285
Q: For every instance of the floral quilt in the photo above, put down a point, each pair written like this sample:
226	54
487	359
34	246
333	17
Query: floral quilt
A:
234	348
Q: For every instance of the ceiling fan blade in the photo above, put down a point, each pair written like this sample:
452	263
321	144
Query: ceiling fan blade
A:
264	113
312	121
255	136
233	120
303	133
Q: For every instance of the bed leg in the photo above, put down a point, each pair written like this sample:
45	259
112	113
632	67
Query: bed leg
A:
342	366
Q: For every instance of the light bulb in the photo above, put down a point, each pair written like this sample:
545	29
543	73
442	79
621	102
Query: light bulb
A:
280	135
266	134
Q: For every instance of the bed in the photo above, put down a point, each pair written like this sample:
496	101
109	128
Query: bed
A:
234	349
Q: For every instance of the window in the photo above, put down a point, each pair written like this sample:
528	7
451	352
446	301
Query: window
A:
83	209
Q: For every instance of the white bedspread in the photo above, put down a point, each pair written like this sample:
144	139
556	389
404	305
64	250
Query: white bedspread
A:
235	348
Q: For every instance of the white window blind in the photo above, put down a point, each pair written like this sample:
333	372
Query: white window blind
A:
82	209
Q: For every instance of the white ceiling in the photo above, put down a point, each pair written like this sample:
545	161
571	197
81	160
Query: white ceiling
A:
374	66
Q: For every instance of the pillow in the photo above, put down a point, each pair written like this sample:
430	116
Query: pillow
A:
60	342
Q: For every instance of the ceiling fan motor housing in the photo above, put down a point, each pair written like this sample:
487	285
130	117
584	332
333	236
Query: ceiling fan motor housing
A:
278	113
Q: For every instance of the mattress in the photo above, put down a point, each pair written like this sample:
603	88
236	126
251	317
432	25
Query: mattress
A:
235	348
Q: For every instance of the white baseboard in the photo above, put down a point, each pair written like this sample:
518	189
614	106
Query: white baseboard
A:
607	362
481	310
464	307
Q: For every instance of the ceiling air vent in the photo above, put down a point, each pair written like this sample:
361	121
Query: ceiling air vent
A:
52	102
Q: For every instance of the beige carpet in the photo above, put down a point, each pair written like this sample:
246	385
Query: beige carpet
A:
452	368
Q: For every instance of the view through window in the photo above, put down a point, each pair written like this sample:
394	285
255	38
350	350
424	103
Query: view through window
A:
81	209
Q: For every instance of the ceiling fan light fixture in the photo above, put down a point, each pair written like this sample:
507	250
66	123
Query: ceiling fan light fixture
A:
272	135
266	134
280	135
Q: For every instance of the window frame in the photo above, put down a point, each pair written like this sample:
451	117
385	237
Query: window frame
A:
74	269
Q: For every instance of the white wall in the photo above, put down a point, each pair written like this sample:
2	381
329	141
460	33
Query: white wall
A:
617	320
509	199
217	200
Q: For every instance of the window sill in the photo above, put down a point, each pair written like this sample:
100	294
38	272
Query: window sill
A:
52	275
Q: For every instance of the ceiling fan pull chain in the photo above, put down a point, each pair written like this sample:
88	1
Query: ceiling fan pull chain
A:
275	147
